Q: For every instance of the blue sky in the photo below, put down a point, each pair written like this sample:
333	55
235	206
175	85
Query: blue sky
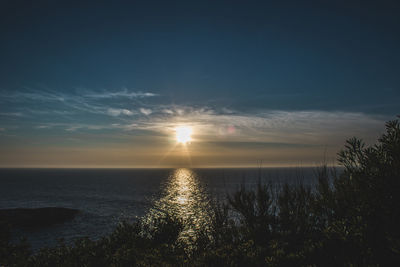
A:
104	83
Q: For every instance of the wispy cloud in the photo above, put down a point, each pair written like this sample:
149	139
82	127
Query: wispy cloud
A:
306	127
117	112
167	111
32	95
43	127
145	111
124	93
121	112
72	127
52	95
12	114
60	103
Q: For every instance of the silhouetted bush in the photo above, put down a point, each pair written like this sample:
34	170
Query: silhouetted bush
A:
350	219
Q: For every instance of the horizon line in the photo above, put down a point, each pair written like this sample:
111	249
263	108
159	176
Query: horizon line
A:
171	167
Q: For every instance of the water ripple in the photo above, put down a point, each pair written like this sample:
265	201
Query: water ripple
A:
185	199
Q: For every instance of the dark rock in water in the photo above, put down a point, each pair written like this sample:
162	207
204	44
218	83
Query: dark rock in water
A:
36	218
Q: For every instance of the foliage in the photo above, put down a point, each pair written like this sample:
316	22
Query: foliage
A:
347	219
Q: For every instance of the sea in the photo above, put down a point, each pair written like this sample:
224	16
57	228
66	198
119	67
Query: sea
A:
107	197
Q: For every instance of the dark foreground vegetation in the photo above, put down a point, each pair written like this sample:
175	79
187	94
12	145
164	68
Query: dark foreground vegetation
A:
352	219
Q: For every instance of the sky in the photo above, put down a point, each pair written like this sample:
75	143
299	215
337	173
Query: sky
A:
277	83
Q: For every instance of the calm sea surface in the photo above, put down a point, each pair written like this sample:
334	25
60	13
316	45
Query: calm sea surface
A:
106	197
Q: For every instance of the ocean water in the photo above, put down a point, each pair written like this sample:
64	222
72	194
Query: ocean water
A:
106	197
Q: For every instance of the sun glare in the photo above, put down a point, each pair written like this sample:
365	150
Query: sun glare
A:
183	134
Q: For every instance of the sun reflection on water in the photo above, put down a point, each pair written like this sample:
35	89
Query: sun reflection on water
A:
184	198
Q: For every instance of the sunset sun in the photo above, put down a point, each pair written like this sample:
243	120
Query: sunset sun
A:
183	134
